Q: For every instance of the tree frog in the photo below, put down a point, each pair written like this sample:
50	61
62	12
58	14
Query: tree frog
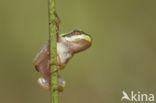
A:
68	44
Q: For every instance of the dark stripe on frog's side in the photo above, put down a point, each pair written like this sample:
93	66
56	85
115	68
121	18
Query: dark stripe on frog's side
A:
75	32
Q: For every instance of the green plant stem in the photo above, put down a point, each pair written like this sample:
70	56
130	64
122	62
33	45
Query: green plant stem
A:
53	29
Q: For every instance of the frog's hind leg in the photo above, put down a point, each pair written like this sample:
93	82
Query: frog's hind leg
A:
41	55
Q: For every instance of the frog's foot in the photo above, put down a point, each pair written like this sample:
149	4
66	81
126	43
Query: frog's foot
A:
44	83
62	84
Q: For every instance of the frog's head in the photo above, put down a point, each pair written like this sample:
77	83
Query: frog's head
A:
77	40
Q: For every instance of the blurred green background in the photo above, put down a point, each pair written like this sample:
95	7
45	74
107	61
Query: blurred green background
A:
122	57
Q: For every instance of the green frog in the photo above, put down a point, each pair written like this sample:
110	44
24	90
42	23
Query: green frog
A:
68	44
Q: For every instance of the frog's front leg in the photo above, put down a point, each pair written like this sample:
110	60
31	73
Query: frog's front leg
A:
46	84
59	65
